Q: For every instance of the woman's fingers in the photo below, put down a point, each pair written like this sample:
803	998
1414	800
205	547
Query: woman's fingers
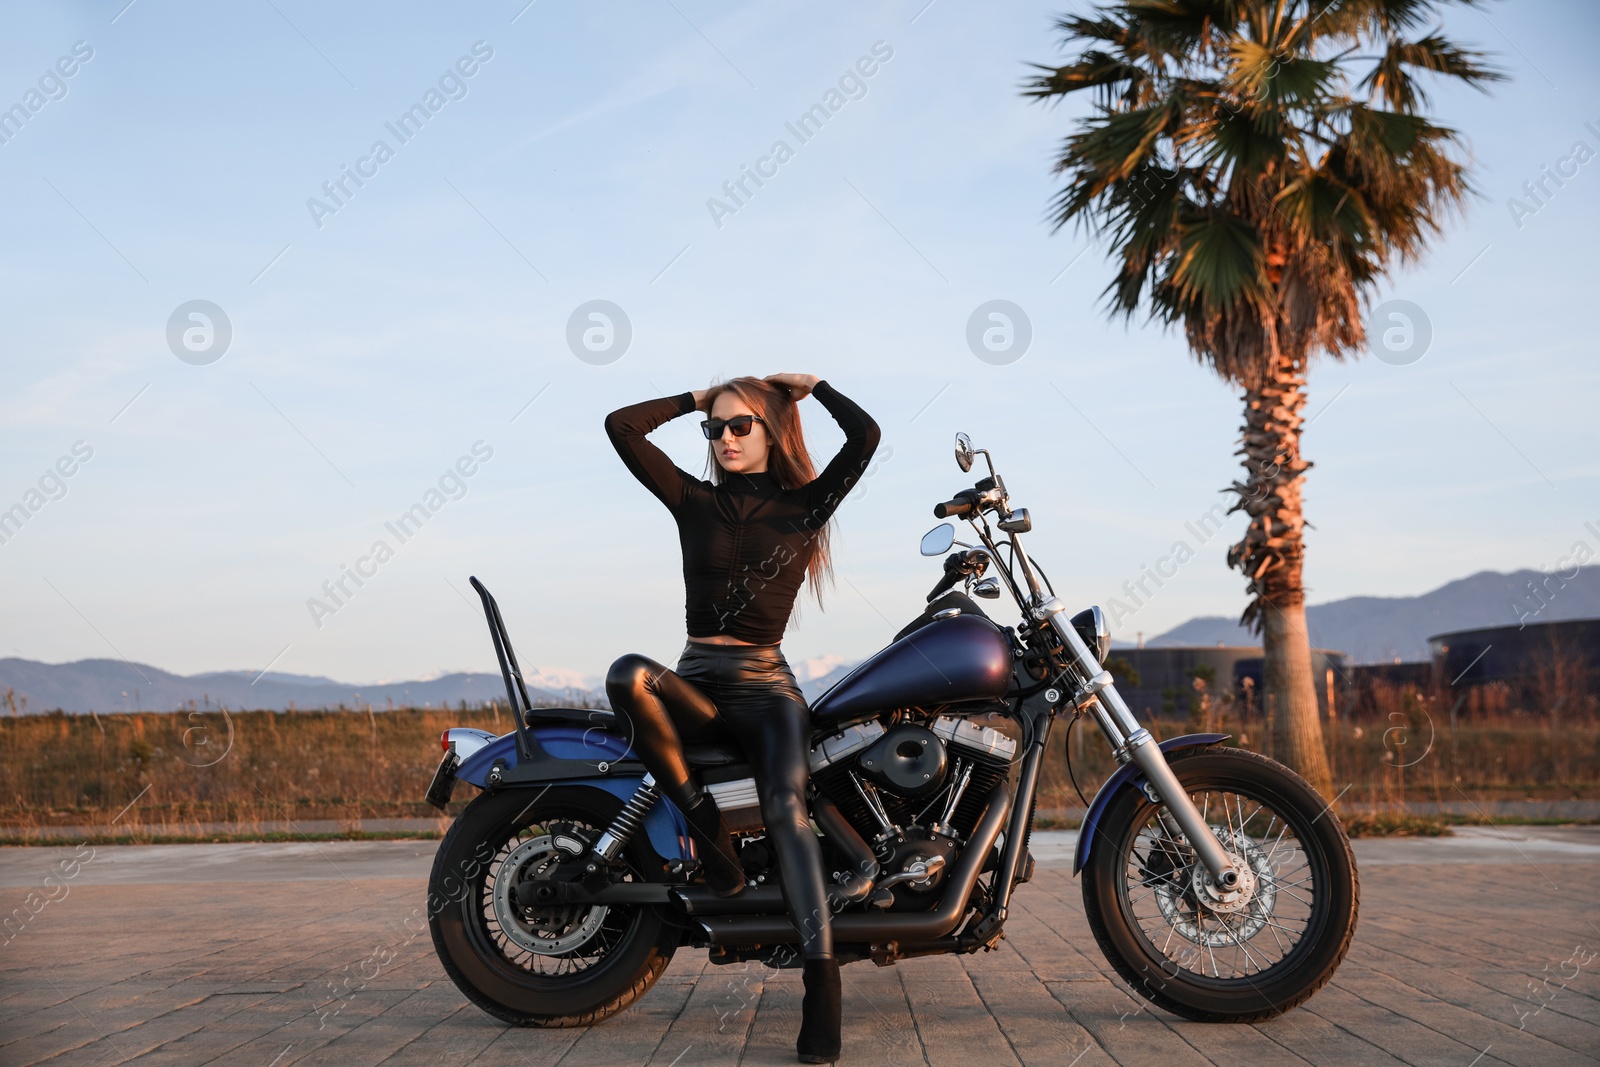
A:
799	383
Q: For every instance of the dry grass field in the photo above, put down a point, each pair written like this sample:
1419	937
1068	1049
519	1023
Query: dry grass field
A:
205	774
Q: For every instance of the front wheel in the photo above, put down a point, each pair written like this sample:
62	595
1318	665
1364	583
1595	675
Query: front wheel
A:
561	965
1205	954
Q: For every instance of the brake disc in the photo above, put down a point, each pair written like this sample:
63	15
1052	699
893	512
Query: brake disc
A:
1186	899
545	930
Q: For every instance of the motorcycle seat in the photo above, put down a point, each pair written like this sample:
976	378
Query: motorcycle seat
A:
717	754
713	754
605	720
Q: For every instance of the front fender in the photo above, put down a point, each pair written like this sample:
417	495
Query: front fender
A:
663	823
1123	777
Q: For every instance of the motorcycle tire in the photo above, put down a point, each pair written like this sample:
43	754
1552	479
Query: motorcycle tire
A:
1151	907
575	965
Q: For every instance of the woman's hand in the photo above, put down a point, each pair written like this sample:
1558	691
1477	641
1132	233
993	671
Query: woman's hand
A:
699	398
799	385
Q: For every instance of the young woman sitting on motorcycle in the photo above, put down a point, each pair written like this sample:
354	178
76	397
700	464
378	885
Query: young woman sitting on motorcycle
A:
750	537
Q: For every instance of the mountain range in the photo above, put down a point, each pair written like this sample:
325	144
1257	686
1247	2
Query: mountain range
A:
1377	629
106	685
117	685
1369	629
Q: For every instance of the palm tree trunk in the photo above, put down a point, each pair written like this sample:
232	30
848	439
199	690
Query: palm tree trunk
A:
1291	689
1272	554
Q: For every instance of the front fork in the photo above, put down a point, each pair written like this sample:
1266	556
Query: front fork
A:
1132	742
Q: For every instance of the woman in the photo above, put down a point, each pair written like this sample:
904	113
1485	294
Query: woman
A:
750	537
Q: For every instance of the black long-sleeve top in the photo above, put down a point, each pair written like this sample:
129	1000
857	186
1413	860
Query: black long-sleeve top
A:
746	542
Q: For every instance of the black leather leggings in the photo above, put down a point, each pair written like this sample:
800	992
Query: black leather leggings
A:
748	694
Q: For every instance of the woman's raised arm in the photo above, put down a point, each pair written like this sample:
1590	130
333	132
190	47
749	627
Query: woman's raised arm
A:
627	428
845	469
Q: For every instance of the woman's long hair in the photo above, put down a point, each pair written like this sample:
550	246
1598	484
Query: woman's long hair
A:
788	459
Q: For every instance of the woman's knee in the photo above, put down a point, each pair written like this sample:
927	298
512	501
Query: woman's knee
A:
785	808
630	676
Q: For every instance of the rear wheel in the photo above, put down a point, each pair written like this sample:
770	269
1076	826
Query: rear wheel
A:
1217	956
548	965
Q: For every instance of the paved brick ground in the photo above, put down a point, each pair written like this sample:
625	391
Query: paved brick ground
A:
1474	950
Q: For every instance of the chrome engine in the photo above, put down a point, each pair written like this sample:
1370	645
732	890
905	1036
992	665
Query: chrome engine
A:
913	791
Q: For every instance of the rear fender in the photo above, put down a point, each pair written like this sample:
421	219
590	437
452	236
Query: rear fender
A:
663	823
1125	777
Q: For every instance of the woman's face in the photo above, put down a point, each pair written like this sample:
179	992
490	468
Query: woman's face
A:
739	455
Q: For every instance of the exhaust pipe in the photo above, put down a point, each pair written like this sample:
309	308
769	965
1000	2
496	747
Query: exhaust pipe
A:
861	876
768	899
880	926
751	900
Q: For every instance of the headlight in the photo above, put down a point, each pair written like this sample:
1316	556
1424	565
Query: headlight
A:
1091	626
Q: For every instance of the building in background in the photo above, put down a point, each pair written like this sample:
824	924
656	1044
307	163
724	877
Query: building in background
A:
1544	667
1232	675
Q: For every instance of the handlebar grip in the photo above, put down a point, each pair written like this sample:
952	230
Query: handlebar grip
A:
952	509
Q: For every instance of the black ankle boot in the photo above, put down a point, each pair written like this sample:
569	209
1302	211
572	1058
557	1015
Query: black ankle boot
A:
724	874
820	1012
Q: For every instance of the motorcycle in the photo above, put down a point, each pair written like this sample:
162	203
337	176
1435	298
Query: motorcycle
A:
1218	883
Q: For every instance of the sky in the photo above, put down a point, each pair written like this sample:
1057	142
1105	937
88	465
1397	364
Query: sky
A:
426	328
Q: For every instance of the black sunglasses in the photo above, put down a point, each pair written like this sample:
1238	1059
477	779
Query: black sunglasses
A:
739	424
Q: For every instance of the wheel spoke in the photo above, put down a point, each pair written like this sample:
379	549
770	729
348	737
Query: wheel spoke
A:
548	941
1278	884
1276	843
1242	946
1272	928
1297	896
1158	889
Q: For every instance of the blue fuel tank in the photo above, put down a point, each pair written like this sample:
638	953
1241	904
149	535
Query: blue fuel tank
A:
966	657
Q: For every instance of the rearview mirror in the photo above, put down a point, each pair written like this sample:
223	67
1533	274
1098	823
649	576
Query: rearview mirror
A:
964	454
937	541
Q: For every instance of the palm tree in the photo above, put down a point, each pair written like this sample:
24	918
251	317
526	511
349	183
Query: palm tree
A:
1259	167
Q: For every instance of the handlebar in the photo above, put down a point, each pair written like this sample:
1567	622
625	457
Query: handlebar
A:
989	494
958	565
984	496
951	577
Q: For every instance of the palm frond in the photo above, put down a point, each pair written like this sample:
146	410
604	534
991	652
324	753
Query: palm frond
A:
1094	70
1391	81
1219	261
1254	185
1267	77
